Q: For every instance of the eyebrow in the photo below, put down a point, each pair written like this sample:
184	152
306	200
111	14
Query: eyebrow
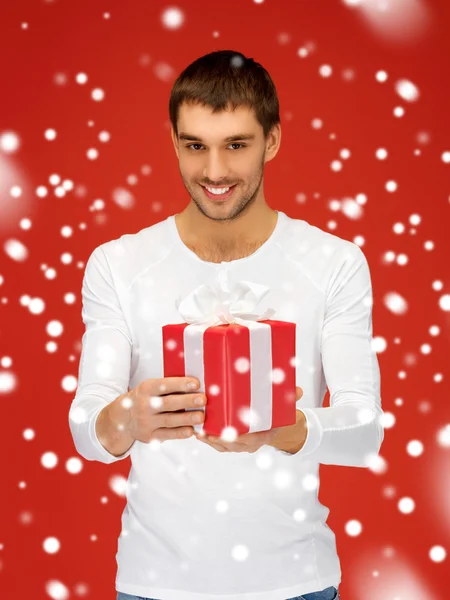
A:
231	138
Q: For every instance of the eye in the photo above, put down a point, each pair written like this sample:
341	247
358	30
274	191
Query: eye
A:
232	144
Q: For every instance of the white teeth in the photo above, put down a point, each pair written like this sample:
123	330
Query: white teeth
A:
218	191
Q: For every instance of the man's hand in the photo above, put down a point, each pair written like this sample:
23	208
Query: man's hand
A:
289	438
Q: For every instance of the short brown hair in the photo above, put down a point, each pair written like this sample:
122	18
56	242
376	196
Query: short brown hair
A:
223	78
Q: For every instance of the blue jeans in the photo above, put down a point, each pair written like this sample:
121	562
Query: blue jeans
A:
329	593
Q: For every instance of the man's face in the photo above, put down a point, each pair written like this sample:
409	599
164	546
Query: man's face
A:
209	160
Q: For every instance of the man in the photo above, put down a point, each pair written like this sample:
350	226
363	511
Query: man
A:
211	518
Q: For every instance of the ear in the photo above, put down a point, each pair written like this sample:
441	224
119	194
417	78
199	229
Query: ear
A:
273	142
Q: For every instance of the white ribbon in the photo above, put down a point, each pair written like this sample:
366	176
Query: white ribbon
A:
216	304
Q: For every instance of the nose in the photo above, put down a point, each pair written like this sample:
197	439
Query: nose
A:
215	168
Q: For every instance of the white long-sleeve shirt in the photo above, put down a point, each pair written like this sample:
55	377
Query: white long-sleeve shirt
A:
205	525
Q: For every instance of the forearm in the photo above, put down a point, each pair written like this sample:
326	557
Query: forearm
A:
111	428
291	439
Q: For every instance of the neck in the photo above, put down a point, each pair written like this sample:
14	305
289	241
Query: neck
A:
249	227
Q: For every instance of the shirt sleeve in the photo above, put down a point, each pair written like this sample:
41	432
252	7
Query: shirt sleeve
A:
104	368
349	432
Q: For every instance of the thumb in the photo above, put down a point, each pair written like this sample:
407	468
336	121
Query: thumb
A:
299	393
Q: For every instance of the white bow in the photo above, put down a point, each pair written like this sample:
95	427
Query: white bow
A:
215	303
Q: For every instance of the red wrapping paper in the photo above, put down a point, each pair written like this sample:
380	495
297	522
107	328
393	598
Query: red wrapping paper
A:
227	388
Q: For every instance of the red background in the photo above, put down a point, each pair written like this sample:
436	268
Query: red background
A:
135	59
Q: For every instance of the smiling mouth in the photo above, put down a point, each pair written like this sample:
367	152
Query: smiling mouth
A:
223	196
219	187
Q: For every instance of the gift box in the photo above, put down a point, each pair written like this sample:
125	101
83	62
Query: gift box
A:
244	359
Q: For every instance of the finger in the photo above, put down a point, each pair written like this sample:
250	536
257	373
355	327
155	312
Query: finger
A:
168	385
180	418
235	446
169	433
215	445
179	402
172	402
251	439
